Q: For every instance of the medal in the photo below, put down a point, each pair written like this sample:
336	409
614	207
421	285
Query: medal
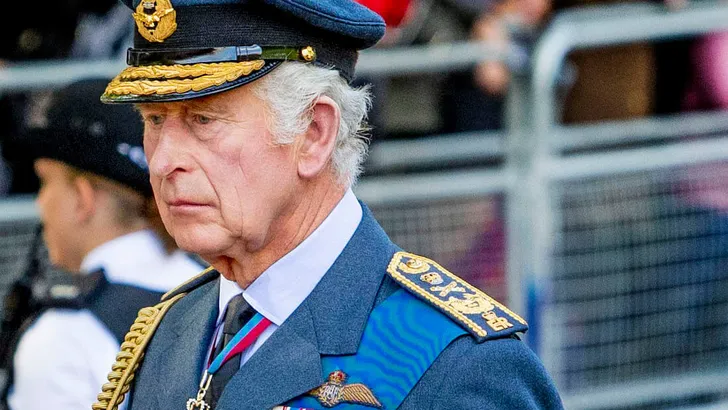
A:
241	341
199	402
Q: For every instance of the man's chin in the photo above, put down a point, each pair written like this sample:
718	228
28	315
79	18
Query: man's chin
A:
201	242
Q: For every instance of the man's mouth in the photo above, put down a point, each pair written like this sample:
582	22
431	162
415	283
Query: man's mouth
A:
185	205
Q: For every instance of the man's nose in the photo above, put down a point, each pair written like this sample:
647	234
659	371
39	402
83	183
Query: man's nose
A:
171	153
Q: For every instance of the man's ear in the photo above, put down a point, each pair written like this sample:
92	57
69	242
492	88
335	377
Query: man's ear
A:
86	199
318	142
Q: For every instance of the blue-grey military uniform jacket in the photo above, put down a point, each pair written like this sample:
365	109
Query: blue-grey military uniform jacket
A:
481	364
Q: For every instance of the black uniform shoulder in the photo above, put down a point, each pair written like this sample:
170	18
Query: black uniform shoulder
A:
484	317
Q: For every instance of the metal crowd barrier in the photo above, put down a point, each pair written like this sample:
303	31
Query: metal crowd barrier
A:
619	248
604	248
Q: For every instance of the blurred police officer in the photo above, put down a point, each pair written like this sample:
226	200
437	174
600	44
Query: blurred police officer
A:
254	139
93	204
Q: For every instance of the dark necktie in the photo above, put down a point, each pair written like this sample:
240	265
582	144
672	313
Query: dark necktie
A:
237	314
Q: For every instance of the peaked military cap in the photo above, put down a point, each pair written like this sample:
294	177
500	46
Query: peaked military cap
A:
191	48
82	132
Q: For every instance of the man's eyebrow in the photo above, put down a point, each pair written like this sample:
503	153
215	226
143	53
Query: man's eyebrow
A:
203	105
139	108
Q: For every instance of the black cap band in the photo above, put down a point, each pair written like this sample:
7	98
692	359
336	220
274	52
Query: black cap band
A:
142	57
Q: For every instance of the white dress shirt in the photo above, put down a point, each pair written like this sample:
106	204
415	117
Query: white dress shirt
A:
284	285
64	358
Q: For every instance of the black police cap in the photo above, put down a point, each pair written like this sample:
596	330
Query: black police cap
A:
191	48
83	132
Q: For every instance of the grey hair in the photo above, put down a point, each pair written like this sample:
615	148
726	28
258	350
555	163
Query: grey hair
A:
290	92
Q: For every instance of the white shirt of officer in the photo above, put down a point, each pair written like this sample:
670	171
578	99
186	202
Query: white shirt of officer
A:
65	356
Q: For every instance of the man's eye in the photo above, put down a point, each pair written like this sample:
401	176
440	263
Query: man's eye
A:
155	119
202	119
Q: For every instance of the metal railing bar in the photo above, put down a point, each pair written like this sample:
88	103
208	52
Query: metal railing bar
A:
26	76
433	58
636	160
639	130
435	150
390	190
713	406
631	394
23	76
18	208
623	23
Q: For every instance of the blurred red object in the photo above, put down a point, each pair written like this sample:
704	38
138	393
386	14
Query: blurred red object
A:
392	11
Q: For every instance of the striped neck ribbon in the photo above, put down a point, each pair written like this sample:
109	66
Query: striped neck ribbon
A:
241	341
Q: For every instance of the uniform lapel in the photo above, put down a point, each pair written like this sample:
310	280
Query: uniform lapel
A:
183	344
330	321
286	365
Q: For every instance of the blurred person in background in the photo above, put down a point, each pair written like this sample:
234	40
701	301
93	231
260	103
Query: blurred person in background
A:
95	204
610	83
103	31
4	176
620	82
707	87
461	100
474	100
396	15
59	31
408	106
702	86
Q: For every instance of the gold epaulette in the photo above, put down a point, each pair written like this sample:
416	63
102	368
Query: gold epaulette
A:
484	317
136	341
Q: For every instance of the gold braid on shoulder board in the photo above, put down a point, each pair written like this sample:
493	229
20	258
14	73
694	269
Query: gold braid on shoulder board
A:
131	354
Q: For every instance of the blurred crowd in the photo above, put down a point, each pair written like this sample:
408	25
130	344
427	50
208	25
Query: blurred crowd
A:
629	81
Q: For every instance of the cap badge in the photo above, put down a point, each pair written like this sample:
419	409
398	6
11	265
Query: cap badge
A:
155	19
334	392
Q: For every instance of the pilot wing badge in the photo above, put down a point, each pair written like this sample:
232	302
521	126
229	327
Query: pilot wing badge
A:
336	391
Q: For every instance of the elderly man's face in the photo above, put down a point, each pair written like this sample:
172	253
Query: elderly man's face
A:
218	178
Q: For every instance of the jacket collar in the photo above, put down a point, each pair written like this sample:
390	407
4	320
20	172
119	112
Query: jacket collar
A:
340	305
